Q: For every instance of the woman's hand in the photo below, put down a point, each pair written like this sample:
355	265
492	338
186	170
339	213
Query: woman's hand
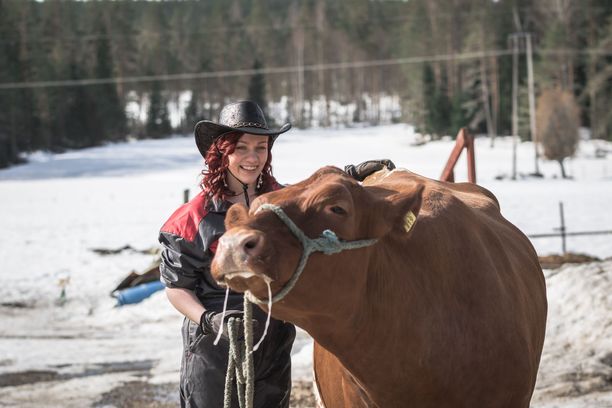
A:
212	321
364	169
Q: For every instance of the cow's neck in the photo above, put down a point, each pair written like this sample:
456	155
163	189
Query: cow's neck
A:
371	325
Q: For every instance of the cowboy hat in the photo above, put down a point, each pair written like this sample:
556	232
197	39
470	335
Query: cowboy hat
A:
242	116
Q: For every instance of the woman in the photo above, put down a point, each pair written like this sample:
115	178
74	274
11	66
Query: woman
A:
237	152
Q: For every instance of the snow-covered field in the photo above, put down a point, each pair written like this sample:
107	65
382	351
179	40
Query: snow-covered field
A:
58	207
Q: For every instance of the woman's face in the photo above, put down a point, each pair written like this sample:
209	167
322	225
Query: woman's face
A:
249	157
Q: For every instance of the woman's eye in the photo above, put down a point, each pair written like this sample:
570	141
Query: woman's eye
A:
241	148
338	210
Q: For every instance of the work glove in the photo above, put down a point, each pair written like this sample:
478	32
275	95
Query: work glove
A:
364	169
210	322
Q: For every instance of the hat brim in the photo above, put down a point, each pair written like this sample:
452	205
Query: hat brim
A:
206	132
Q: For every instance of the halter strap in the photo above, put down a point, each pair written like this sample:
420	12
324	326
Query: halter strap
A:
328	243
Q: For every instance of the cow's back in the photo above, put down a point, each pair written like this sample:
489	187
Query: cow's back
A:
484	294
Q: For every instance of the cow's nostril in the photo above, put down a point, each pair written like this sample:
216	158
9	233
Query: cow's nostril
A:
250	244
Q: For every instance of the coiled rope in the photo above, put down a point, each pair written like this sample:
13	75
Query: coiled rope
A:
240	362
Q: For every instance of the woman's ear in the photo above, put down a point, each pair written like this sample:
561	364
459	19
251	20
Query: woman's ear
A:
397	211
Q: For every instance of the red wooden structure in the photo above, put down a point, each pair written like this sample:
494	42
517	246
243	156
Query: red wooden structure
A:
464	140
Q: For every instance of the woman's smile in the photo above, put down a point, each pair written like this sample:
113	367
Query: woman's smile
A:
249	168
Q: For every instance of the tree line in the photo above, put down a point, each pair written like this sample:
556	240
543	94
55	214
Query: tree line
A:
437	64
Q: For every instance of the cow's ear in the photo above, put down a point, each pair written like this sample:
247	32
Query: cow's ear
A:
399	211
236	213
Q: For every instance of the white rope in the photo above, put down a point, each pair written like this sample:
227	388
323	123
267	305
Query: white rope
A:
222	316
267	318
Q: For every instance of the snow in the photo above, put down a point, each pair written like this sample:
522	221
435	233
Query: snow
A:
577	357
60	206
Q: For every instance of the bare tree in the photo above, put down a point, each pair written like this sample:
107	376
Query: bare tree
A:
558	121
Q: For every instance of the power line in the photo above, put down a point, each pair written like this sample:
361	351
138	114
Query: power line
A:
244	72
288	69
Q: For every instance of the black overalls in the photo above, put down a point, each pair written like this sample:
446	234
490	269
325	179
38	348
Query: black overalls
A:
189	240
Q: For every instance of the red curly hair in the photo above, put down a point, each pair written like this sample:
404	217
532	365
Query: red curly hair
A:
217	163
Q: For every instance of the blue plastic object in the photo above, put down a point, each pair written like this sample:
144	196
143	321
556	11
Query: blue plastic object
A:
136	294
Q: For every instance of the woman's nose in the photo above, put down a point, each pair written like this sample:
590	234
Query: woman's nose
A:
252	155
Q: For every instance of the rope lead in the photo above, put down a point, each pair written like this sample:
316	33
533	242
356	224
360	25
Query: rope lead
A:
328	243
240	361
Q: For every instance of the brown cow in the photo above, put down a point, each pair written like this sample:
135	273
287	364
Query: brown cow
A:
448	312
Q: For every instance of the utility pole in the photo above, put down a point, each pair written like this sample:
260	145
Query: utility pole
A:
532	118
514	39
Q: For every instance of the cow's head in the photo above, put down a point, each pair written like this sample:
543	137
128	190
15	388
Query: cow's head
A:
258	246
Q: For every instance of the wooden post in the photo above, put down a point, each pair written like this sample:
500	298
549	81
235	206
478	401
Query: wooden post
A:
464	140
562	228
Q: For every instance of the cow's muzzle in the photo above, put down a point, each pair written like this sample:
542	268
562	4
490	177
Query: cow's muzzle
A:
237	251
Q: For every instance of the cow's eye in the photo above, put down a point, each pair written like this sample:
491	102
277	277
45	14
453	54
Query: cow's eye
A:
338	210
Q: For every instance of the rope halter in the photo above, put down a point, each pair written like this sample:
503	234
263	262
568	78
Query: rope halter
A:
328	243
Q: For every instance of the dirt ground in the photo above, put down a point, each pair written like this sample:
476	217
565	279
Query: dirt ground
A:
142	394
138	394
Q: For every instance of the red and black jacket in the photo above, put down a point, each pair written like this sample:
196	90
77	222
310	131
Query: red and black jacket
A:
189	240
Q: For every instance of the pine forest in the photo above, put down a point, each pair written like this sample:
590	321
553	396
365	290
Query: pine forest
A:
75	74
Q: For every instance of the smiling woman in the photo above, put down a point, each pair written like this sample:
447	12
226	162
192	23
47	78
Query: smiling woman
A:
235	162
237	154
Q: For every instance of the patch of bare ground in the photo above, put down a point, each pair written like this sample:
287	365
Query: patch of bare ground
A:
556	261
302	395
27	377
140	394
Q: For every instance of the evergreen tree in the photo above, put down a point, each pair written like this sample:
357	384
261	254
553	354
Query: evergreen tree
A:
437	105
158	122
19	121
192	116
598	79
257	89
57	40
459	115
9	151
110	116
81	127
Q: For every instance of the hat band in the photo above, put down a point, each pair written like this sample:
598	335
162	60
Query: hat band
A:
249	124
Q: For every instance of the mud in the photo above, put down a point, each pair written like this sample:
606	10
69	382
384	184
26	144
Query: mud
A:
139	394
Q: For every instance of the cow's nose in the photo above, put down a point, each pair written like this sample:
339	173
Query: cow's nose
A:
240	245
237	252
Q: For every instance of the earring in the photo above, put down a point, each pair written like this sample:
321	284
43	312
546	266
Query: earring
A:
260	181
225	183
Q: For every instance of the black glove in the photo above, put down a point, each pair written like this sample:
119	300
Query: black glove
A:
210	322
364	169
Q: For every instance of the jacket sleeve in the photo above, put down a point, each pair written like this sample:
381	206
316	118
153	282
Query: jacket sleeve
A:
182	261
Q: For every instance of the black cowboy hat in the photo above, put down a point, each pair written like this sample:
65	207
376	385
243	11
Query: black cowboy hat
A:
242	116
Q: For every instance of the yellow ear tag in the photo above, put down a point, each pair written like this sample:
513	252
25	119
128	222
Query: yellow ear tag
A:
409	220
